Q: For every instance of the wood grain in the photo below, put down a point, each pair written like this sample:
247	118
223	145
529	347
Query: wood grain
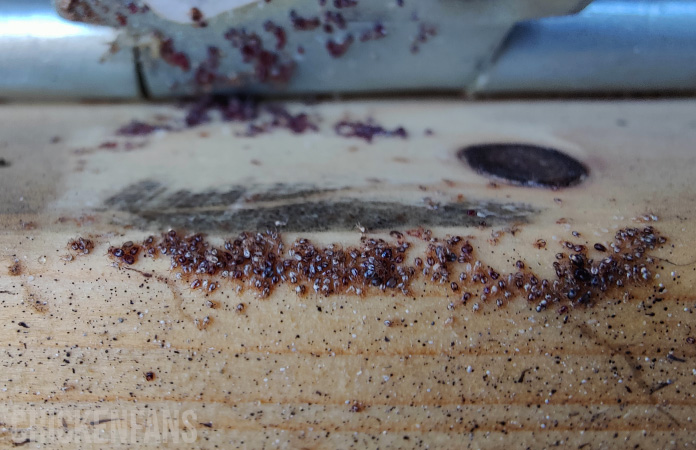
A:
98	354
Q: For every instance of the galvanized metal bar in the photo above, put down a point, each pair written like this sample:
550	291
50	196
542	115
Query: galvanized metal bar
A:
613	46
43	56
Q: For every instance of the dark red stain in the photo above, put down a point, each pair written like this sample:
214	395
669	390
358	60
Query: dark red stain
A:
173	57
303	24
337	49
377	32
138	128
268	66
206	73
367	130
335	18
278	32
345	3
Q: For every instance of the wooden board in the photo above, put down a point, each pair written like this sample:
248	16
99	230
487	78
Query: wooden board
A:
96	352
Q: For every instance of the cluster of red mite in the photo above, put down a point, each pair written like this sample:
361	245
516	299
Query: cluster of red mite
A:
81	245
262	261
258	118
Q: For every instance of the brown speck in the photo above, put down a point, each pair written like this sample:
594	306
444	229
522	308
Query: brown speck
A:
196	14
15	269
38	305
357	406
540	243
203	323
211	304
150	376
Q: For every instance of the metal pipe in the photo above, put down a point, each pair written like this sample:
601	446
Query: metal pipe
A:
43	56
612	46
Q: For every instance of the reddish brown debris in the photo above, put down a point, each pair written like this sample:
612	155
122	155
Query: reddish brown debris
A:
357	406
261	261
15	269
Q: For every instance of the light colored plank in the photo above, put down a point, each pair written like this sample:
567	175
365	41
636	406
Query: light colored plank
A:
285	374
